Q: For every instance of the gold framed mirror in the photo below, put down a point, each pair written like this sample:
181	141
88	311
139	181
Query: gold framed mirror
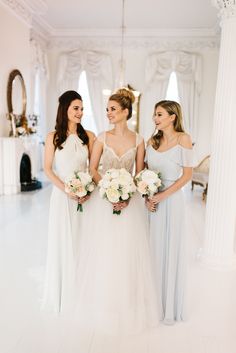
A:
16	93
16	102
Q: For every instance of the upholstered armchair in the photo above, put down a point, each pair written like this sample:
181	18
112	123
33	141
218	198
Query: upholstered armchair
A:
201	174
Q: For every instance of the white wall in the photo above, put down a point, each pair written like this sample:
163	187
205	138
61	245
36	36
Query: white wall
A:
135	59
15	54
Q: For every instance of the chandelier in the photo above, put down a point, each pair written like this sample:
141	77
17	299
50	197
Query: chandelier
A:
121	76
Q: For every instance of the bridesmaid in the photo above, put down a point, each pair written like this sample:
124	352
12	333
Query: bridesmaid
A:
170	152
67	150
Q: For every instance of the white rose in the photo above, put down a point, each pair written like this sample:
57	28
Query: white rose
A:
149	176
69	178
114	173
142	187
152	188
81	191
82	176
106	177
123	171
113	195
105	183
114	184
91	187
125	196
125	189
124	179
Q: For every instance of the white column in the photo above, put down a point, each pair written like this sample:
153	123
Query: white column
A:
218	249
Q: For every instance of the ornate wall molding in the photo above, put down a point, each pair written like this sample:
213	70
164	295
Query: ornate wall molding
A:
133	32
31	11
227	8
38	55
39	33
20	9
152	44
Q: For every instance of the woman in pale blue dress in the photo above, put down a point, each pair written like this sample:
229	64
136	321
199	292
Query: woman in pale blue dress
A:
170	152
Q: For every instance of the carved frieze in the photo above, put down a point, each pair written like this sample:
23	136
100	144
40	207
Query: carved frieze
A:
227	8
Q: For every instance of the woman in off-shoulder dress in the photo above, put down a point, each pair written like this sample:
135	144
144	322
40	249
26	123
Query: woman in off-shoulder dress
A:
170	152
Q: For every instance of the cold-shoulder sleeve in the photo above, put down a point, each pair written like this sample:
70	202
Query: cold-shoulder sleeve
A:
187	157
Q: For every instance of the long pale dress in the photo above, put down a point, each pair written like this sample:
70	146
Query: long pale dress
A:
115	283
63	229
167	233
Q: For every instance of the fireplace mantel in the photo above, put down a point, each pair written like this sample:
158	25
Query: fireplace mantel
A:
11	151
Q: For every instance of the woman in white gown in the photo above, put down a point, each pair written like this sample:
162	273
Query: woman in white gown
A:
170	152
67	150
115	283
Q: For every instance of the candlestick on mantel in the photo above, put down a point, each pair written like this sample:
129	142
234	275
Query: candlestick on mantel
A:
13	125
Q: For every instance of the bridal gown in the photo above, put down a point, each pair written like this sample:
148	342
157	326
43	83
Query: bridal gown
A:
115	286
167	233
63	229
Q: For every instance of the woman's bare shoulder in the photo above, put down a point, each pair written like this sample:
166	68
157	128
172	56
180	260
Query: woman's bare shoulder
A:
185	140
149	142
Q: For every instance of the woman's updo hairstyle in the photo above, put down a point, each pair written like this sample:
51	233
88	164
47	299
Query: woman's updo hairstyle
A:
125	98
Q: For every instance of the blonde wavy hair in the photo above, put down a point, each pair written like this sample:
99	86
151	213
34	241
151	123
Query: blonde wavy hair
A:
171	107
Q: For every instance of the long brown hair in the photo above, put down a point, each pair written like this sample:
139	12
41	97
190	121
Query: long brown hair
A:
125	98
171	107
62	120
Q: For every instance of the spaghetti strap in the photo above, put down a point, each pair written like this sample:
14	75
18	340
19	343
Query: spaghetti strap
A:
102	137
139	139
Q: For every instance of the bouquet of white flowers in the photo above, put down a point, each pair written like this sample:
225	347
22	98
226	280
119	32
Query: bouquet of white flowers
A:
80	184
148	182
117	185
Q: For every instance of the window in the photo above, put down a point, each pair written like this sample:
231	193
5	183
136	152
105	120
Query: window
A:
172	90
88	121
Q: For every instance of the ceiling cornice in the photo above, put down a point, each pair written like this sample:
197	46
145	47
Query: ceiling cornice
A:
135	32
31	12
20	10
150	44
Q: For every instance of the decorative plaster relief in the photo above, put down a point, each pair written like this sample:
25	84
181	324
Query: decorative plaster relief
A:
227	8
153	44
20	9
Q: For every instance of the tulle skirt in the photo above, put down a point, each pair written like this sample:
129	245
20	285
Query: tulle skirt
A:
115	290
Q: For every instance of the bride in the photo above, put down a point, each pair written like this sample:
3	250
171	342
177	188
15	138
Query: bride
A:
115	284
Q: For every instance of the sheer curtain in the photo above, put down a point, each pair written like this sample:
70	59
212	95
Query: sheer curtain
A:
99	76
39	66
188	71
157	72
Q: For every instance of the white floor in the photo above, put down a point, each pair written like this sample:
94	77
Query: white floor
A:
211	295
